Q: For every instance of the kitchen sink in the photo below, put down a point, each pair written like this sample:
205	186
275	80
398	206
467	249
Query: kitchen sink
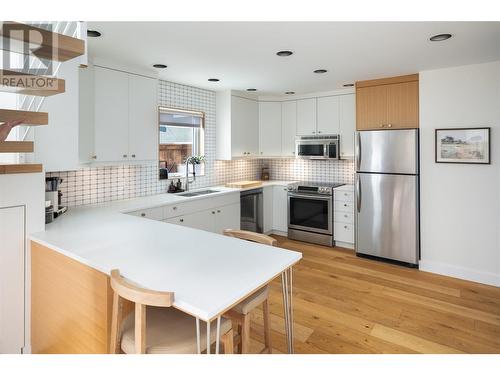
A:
197	193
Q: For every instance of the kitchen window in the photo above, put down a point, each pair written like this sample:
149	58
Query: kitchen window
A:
181	134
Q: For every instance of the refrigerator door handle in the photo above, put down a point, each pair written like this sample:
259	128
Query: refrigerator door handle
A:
358	150
358	193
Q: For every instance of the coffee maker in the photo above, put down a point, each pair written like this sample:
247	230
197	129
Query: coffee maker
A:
53	194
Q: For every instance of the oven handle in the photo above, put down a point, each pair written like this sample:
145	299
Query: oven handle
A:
310	196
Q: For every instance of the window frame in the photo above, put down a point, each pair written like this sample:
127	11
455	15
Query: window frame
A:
200	142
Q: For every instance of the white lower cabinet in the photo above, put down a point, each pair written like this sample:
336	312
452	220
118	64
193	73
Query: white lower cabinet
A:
280	208
227	217
212	220
267	216
199	220
343	215
12	279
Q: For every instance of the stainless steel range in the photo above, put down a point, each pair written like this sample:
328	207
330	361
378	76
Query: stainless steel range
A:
310	212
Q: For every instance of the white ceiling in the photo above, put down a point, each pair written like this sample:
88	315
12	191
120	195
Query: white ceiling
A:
243	54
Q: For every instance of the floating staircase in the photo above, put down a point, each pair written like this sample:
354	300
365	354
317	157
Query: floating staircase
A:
49	46
52	46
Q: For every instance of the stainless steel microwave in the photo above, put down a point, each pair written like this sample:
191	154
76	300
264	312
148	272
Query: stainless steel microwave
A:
317	147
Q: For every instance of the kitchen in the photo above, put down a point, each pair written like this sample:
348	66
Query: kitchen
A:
342	176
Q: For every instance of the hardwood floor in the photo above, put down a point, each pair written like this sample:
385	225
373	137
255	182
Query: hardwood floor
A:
346	304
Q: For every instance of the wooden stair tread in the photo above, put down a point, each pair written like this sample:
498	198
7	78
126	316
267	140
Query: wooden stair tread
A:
30	84
29	117
20	168
17	146
53	46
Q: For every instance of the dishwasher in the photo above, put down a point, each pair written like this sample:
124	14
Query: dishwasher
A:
251	202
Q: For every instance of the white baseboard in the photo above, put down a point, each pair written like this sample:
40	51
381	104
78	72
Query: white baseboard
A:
345	245
278	233
459	272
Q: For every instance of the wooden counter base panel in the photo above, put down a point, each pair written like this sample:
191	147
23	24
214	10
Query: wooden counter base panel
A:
70	305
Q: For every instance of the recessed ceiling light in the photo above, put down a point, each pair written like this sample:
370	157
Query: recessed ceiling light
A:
290	92
348	85
284	53
251	89
439	37
159	66
213	80
93	33
320	71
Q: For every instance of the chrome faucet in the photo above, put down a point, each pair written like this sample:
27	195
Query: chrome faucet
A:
187	174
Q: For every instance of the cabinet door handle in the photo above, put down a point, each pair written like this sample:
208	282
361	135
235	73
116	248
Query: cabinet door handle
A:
133	155
218	211
213	212
181	220
143	214
319	131
381	125
174	208
345	226
389	125
93	157
124	155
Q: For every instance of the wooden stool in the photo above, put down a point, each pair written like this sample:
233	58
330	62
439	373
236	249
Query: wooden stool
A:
166	329
240	314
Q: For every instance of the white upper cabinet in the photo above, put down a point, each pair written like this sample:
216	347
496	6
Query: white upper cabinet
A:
306	116
270	128
245	126
111	115
347	125
288	128
237	126
328	115
125	116
143	118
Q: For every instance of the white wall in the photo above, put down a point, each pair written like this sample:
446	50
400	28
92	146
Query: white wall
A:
460	204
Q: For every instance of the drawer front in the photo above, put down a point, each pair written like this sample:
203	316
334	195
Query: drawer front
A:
344	195
150	213
343	217
343	232
344	206
196	205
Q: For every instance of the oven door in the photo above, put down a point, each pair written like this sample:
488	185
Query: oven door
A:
311	213
310	150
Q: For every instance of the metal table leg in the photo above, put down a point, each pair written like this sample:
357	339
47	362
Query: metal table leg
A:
286	285
208	336
198	336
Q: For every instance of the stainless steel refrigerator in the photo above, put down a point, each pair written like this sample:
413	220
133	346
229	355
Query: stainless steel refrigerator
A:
387	195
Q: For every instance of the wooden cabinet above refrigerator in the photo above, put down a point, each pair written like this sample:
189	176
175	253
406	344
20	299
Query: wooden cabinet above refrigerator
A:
387	103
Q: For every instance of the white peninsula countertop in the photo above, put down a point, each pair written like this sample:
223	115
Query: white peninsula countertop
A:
207	272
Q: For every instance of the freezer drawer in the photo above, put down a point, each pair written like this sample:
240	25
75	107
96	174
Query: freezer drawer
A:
387	216
387	151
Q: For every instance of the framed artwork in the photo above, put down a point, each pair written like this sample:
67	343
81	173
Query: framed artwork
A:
463	145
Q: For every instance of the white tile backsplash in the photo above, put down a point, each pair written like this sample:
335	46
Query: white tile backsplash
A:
341	171
92	185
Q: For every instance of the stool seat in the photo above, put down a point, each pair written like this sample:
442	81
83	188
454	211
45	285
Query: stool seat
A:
251	302
169	331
